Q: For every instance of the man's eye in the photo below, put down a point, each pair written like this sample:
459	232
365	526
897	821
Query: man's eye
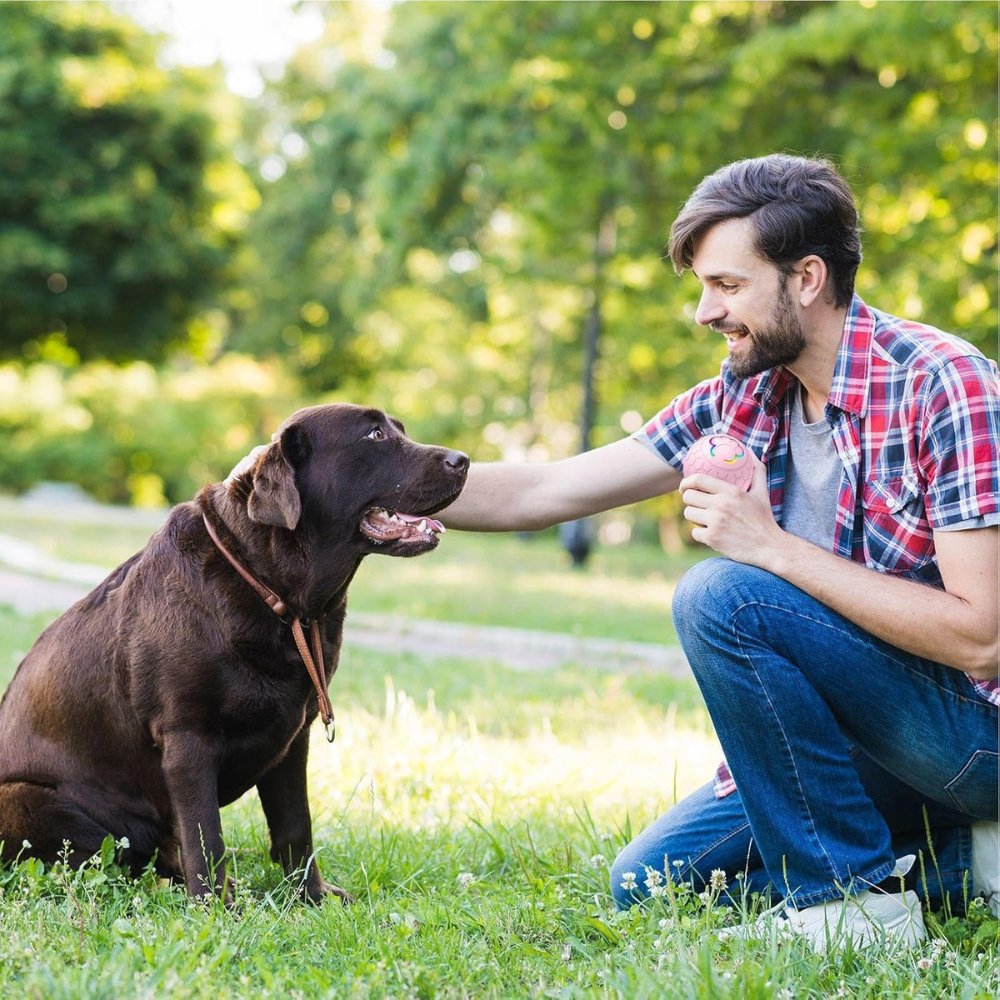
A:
376	434
727	287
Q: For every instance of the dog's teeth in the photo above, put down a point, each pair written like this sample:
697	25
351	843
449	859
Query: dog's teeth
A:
422	527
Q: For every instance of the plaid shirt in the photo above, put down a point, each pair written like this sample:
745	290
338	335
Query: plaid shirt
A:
915	415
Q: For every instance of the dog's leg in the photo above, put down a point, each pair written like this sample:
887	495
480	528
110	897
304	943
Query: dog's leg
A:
285	800
191	771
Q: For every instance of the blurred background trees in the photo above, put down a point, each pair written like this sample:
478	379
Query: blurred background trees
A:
432	203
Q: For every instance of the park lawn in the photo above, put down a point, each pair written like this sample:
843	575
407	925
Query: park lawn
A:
471	809
623	593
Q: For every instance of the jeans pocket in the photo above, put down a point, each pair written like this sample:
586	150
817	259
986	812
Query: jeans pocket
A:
974	789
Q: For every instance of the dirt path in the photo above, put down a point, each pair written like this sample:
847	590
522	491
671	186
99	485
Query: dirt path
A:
29	593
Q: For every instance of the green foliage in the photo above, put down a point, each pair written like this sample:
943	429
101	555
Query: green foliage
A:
434	238
119	204
447	192
132	433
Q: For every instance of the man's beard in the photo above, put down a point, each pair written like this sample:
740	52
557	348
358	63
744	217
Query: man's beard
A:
779	343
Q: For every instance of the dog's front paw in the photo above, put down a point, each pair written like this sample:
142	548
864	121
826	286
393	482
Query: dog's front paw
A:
320	889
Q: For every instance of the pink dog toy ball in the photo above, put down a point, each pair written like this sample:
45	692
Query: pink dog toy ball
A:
723	457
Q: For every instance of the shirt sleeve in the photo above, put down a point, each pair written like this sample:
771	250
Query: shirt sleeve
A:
959	447
683	420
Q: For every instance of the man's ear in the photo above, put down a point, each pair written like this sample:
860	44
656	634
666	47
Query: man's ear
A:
275	498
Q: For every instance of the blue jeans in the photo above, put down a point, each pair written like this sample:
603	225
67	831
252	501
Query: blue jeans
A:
839	744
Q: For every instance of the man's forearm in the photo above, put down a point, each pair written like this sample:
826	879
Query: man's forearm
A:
507	497
497	497
938	625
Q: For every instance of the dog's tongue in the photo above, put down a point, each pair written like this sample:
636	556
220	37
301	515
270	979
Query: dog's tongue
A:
413	519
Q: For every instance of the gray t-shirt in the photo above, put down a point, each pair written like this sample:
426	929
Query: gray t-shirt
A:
813	481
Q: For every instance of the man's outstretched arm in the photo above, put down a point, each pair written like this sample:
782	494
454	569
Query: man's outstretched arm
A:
504	496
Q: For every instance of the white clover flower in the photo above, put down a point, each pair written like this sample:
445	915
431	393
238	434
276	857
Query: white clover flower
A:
466	879
26	844
664	923
628	880
657	890
123	844
653	878
598	861
705	896
924	963
717	880
678	864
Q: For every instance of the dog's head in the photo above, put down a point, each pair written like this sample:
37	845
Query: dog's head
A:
352	472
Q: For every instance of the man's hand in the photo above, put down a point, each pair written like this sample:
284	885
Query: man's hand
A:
735	523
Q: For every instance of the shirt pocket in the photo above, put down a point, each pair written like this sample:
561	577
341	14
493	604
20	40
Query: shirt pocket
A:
897	534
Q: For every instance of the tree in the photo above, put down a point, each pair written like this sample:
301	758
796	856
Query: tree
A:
118	204
453	177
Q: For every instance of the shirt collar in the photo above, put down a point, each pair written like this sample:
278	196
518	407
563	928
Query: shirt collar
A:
852	370
851	381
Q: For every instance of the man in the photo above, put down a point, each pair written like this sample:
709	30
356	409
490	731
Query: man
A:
846	644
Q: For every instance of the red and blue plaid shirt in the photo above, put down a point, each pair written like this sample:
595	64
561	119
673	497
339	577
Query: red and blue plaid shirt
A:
915	415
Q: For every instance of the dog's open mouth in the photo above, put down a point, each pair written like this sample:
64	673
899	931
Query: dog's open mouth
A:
381	526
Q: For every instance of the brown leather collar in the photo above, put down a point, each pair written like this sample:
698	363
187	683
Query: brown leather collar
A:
313	659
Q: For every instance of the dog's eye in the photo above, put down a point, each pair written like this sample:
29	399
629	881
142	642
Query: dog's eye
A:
376	434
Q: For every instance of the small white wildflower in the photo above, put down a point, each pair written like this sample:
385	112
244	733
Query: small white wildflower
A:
628	880
653	878
466	879
567	952
26	844
705	896
656	891
658	943
924	963
664	923
598	861
717	880
724	935
678	864
123	844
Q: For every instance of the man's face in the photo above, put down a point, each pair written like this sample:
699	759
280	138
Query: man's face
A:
746	298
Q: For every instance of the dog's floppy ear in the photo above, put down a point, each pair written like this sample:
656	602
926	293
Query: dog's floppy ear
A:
275	498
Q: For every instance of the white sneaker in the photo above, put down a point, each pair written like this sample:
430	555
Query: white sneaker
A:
867	918
986	863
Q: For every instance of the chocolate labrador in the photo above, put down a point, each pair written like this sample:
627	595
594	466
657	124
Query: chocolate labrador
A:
185	678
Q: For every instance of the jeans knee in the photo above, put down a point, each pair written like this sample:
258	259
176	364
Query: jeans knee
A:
704	594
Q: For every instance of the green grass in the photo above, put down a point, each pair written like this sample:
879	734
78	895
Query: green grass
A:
471	810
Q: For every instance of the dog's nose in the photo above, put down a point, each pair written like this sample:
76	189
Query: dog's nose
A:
457	460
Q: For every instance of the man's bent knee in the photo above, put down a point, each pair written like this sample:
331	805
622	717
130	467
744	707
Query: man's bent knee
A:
711	592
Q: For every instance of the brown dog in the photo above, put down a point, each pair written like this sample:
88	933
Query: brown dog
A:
173	688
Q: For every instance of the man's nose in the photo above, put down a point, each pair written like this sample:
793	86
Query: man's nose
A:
710	308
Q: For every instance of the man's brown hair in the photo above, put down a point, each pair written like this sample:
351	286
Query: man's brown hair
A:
797	207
